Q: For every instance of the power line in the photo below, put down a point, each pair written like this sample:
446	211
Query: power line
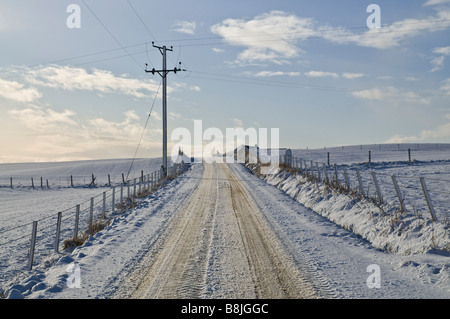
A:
145	127
85	56
282	84
323	31
112	35
247	80
146	27
124	48
139	17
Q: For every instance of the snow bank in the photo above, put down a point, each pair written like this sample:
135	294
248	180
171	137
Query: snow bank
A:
385	227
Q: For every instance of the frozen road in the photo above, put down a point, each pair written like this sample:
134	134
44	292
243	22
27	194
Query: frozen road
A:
219	246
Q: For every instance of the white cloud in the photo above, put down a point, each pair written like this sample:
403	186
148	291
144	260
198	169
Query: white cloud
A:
71	78
276	73
351	76
56	135
440	132
392	35
187	27
402	139
442	50
217	50
371	94
437	62
435	2
391	94
273	37
43	119
269	37
345	75
15	91
446	86
321	74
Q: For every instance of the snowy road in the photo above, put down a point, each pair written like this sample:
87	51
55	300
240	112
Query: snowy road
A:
219	245
220	232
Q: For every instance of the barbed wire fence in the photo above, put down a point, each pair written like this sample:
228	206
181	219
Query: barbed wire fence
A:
357	174
41	240
421	195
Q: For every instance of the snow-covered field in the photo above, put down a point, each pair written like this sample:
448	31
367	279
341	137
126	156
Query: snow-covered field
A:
406	245
22	204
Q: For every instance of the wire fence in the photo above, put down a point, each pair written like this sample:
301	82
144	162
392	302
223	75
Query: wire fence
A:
39	241
20	181
411	192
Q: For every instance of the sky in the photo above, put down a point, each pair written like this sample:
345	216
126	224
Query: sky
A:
73	84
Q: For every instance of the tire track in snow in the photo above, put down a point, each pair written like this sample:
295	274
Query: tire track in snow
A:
220	245
179	265
274	273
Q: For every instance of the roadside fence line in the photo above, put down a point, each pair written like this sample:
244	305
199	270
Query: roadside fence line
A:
75	224
411	194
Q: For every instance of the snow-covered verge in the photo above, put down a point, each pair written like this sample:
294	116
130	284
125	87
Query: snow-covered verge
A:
21	205
425	244
387	228
105	258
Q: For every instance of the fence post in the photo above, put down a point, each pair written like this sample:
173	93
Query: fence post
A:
121	194
77	219
409	155
104	205
347	183
32	245
428	199
327	181
140	184
377	187
370	157
358	176
399	194
71	181
151	180
58	231
113	199
32	182
10	181
318	172
91	213
336	175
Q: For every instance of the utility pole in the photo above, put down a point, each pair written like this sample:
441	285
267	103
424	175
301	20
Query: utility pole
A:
163	73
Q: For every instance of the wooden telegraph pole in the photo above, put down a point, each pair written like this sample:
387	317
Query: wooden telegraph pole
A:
163	73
